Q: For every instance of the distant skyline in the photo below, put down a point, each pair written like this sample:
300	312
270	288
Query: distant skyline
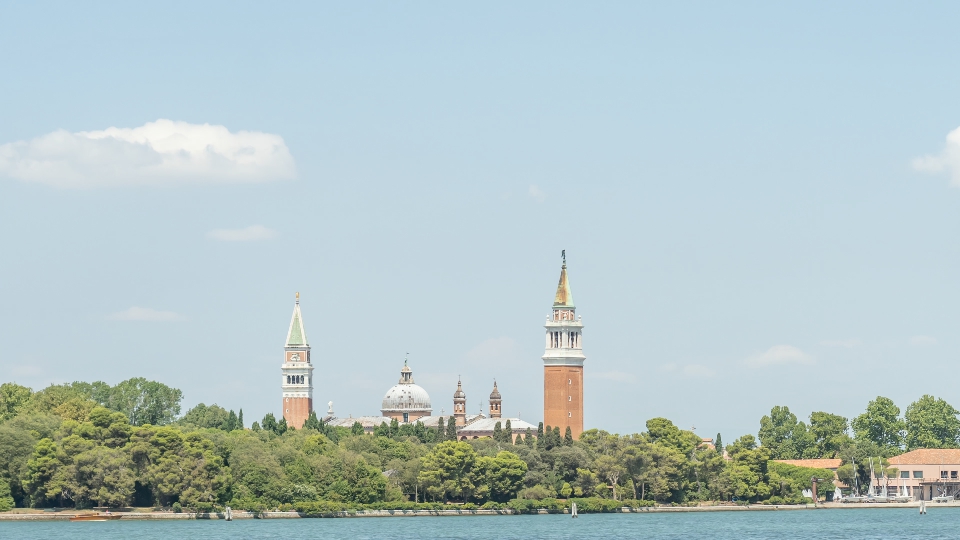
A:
758	202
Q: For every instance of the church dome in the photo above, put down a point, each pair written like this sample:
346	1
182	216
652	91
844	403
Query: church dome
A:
405	396
459	393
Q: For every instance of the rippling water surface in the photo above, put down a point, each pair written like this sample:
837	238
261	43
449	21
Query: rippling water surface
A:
858	524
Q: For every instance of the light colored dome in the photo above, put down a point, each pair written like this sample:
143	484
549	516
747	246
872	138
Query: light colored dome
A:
406	398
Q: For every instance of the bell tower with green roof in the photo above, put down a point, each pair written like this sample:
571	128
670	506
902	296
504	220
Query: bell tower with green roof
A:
297	372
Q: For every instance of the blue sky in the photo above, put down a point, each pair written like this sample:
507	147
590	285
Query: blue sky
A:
756	201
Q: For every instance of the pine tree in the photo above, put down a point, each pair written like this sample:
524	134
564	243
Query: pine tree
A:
718	444
240	420
568	437
508	432
497	432
255	427
394	428
382	430
451	429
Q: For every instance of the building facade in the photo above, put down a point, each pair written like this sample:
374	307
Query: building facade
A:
563	362
297	372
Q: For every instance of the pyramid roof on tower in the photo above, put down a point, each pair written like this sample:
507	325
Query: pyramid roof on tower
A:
296	335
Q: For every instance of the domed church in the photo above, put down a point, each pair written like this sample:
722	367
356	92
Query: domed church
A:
406	401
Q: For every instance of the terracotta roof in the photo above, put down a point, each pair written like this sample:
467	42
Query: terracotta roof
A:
928	456
813	463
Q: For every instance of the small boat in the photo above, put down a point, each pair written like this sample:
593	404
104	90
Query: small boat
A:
100	516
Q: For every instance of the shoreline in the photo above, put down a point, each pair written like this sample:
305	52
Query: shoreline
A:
65	515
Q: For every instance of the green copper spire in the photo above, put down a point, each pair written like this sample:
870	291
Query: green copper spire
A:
296	336
564	297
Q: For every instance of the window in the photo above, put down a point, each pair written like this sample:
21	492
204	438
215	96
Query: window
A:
904	474
918	474
953	475
569	381
406	417
943	474
569	415
569	398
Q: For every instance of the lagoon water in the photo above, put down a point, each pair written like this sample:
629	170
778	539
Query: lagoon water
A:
859	524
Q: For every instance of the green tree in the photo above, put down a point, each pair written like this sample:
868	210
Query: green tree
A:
540	431
499	478
881	424
448	470
931	423
508	433
103	475
357	429
784	436
451	429
718	444
13	398
146	402
269	423
312	422
497	432
240	418
232	422
829	433
610	468
568	437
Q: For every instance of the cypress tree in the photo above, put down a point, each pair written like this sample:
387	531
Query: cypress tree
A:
497	432
568	437
557	439
231	422
528	439
718	444
508	432
282	426
540	431
240	420
451	429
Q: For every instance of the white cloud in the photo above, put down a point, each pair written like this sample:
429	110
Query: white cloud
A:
922	341
844	343
536	193
156	153
253	232
947	160
144	314
780	355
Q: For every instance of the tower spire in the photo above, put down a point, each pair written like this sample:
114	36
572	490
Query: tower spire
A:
563	298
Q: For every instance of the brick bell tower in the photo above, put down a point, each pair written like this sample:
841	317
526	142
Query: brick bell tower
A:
563	362
297	378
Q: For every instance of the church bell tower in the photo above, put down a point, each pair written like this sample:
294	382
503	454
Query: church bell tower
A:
563	362
297	378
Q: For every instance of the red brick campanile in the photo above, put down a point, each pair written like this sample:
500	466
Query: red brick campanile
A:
563	362
297	379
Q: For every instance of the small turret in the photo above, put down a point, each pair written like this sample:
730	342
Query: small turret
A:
495	401
460	405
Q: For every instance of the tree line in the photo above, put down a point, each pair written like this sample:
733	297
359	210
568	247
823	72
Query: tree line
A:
89	444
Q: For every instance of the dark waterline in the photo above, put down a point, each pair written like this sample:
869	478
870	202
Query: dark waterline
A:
857	524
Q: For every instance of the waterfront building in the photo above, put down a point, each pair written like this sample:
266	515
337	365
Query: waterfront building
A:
563	362
927	473
296	381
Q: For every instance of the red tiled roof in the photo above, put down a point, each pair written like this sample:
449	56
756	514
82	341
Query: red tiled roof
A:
928	456
813	463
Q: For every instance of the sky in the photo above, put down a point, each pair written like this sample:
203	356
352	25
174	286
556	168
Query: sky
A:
758	201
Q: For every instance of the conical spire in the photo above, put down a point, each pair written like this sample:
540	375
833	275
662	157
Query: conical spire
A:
296	336
564	297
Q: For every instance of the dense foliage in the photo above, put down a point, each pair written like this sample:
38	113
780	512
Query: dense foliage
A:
89	444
